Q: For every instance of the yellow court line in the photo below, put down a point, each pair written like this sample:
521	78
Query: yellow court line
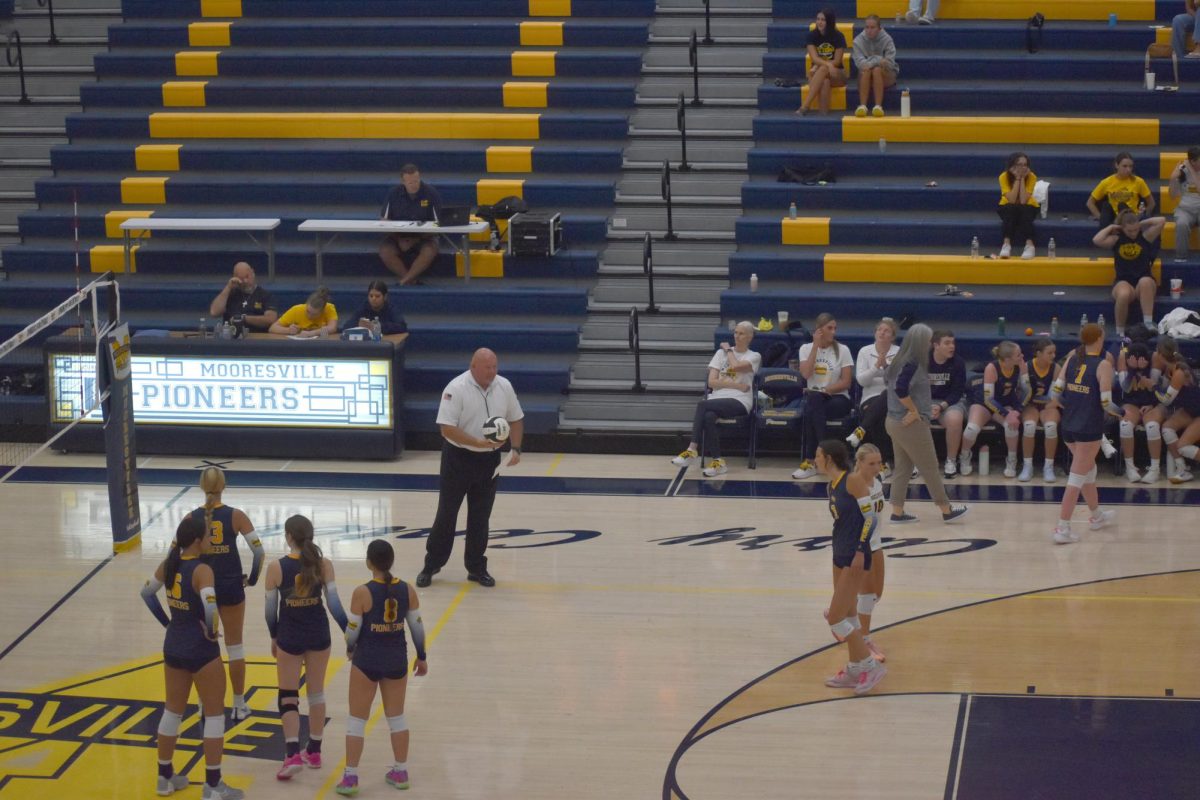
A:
336	773
558	457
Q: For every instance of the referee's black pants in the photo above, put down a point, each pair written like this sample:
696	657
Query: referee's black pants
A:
465	473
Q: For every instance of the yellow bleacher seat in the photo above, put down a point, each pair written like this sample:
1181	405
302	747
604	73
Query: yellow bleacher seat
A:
964	270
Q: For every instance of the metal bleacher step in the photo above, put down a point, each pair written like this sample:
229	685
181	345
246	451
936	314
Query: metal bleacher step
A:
671	293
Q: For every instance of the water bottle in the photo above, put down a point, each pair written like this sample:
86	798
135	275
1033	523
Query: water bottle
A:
999	326
975	247
984	460
1082	321
1051	251
1100	320
227	330
202	331
754	281
792	211
376	329
905	103
882	145
1054	324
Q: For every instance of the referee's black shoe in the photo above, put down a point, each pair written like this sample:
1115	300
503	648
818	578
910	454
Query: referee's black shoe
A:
424	578
482	578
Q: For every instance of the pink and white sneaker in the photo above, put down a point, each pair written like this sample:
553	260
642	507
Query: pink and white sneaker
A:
868	678
843	680
311	760
397	778
291	766
875	651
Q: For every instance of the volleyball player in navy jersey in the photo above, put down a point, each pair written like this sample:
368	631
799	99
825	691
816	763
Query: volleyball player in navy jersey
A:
1041	374
1084	388
300	637
226	523
1005	393
1138	381
375	640
191	656
1181	431
853	514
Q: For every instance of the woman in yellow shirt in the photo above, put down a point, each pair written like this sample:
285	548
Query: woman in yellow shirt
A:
1119	191
316	317
1017	208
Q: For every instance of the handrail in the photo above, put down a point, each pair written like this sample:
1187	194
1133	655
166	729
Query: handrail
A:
648	269
666	195
49	5
15	36
635	344
681	124
694	63
707	23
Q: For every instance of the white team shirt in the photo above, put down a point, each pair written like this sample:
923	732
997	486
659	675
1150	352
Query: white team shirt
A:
876	540
467	405
869	378
720	362
828	366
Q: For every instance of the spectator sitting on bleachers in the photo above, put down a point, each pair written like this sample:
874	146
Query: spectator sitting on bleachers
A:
948	387
316	317
1041	409
1119	191
1181	26
1185	185
241	296
414	200
869	370
1005	391
730	381
1181	431
1134	246
1138	381
378	307
914	14
1017	207
828	368
874	55
826	48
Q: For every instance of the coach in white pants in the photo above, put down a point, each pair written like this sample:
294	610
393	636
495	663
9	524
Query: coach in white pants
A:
471	464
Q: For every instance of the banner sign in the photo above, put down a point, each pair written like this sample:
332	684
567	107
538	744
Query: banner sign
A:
119	445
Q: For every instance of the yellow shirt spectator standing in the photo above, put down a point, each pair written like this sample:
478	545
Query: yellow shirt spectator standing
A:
316	317
1119	191
1017	208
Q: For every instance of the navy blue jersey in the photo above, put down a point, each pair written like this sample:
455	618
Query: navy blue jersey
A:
1188	399
849	525
1083	414
223	554
1040	384
1133	258
303	624
948	381
381	645
1008	391
1139	388
186	637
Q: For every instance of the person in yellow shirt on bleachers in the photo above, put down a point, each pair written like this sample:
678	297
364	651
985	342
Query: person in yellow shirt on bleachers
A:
1119	191
316	317
1017	207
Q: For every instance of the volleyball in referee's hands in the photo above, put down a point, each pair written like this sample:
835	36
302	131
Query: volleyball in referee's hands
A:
495	429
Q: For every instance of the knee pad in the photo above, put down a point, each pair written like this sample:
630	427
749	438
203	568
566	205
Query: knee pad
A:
1126	429
1154	431
286	695
214	727
971	432
842	630
1010	431
866	603
1051	430
1029	428
169	724
356	726
1170	436
854	623
236	652
316	699
397	724
1076	480
1090	477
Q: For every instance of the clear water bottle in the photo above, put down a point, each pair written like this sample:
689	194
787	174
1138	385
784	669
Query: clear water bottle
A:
792	211
882	145
1051	250
1054	326
376	329
227	330
975	247
1000	324
1100	320
754	281
202	331
985	460
1082	321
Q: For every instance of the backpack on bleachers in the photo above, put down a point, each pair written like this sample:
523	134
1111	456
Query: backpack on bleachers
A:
807	175
504	208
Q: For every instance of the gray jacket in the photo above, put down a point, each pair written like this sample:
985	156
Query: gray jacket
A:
870	53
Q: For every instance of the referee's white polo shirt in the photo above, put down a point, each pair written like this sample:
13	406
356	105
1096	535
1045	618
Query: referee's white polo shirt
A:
466	405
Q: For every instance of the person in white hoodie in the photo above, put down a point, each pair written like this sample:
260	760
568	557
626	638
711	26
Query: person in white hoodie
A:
874	55
1185	187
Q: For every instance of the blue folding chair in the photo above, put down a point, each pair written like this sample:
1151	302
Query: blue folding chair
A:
742	422
780	412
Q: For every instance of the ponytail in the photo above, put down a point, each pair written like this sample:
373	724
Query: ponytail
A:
300	529
381	556
190	530
212	483
318	298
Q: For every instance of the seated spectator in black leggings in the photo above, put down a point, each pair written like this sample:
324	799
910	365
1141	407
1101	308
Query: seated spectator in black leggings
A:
828	368
731	393
1017	207
869	369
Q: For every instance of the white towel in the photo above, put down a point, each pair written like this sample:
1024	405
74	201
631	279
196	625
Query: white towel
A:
1041	193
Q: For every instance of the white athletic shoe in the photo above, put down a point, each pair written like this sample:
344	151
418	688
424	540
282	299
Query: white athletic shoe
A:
169	786
1005	250
686	458
239	711
950	468
1010	467
1132	475
1064	535
1107	447
842	680
1181	476
1026	471
1048	473
1101	518
806	470
964	463
868	678
715	467
911	17
925	19
222	791
1151	475
1029	252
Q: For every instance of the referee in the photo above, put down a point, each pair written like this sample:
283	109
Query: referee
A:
471	464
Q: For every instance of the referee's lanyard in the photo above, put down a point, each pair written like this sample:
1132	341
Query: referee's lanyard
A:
484	394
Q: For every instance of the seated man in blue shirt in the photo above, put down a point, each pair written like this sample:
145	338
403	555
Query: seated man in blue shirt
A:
409	255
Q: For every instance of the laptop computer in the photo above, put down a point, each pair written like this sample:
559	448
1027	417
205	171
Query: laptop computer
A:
449	216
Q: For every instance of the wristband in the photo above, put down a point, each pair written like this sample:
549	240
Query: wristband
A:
517	450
